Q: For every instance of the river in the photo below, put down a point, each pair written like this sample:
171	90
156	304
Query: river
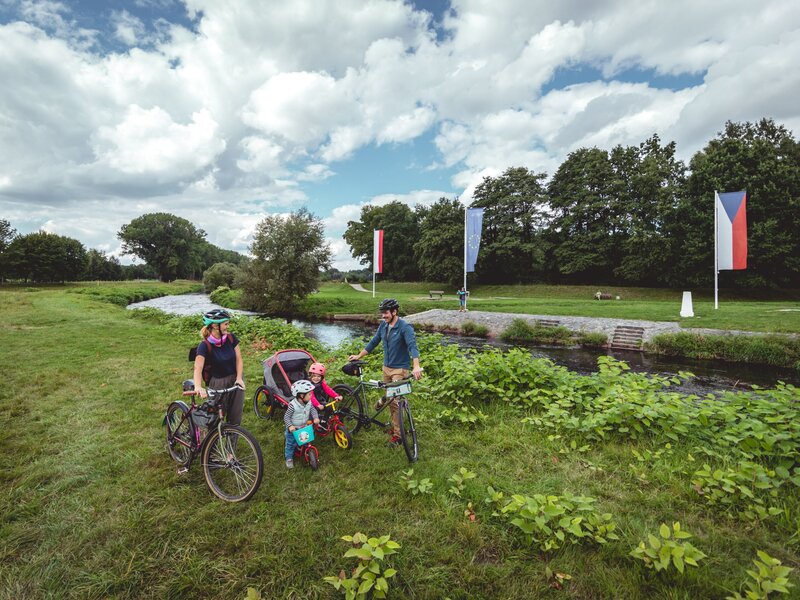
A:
710	376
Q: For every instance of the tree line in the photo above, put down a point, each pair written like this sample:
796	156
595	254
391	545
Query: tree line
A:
634	215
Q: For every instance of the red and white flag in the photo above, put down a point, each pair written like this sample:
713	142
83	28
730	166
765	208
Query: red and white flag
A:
377	251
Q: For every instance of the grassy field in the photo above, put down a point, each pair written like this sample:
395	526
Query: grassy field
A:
778	313
91	505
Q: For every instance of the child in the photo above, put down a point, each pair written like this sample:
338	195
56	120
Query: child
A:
322	391
298	413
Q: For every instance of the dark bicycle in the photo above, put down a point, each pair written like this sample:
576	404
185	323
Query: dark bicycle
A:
231	457
354	414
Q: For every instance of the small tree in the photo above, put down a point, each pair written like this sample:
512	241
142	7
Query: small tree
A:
7	234
288	255
221	273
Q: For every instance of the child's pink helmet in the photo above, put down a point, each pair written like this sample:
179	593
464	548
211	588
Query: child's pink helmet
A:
317	369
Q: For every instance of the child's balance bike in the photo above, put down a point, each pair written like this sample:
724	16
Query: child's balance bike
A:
304	436
333	424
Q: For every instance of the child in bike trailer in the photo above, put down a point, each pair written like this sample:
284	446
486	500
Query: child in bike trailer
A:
297	415
323	393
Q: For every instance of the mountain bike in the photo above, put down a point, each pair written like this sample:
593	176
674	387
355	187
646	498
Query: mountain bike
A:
231	457
354	415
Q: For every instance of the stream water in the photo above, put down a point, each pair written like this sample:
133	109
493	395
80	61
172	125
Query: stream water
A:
709	375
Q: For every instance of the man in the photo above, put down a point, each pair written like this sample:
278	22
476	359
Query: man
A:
399	351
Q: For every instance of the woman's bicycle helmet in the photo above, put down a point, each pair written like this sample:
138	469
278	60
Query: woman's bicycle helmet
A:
389	304
216	315
317	369
301	386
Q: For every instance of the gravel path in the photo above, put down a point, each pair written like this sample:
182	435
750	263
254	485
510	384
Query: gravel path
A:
497	322
358	287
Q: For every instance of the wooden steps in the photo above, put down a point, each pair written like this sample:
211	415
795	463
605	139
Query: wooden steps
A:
627	338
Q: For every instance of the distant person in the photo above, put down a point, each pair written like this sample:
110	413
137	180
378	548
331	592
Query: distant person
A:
462	299
219	364
399	350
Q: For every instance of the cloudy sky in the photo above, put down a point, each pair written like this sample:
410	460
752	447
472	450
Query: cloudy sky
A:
222	112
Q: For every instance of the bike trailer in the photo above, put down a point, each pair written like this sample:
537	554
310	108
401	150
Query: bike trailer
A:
282	369
304	435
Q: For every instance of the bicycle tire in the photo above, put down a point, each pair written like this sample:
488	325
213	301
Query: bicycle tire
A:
313	458
179	426
263	404
408	435
350	407
233	474
342	437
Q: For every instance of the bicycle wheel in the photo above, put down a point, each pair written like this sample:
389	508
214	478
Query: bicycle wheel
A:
180	433
262	403
342	437
232	464
350	407
408	435
313	458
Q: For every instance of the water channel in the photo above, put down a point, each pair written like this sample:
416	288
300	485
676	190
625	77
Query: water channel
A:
709	375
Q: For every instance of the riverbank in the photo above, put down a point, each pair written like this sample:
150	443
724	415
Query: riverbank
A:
91	505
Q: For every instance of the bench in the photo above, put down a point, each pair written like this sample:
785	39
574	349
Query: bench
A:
433	293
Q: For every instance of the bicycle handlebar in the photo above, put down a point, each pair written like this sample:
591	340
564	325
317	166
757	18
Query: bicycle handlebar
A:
212	392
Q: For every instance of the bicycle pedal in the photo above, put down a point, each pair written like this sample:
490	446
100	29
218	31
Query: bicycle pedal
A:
183	470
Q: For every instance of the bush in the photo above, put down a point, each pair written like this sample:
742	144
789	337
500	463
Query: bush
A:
665	550
225	296
521	330
219	274
476	329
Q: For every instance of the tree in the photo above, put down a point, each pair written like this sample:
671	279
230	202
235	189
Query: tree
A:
400	232
7	234
439	252
101	267
45	257
512	248
221	273
587	229
171	245
764	159
288	255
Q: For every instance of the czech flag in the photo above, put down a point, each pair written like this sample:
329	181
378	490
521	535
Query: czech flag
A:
731	231
377	251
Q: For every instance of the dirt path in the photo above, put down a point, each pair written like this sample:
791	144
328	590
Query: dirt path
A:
358	287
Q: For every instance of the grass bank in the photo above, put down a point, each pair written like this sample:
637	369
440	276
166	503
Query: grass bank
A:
91	506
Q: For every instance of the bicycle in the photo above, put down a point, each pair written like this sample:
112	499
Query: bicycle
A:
231	457
353	414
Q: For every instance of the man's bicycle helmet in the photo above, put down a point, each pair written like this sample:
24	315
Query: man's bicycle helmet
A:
301	386
389	304
216	315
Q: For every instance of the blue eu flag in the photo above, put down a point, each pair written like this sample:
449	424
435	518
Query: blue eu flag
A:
474	226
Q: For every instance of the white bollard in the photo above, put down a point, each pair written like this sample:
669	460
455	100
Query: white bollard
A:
686	305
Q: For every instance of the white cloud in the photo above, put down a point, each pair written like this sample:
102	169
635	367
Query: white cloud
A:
127	28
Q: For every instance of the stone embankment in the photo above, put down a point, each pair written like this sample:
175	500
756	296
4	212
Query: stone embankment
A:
497	322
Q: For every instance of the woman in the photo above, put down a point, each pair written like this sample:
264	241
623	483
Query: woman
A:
219	361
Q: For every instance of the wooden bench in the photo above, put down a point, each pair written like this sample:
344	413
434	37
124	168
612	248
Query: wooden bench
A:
433	293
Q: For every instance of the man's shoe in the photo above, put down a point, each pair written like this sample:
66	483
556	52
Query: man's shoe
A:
394	441
290	463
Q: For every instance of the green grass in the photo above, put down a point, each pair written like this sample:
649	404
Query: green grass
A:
91	506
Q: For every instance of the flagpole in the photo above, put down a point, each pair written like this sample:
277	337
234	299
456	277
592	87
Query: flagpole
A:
716	257
466	206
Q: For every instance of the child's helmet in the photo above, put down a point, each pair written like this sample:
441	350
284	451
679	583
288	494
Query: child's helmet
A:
216	315
301	386
317	369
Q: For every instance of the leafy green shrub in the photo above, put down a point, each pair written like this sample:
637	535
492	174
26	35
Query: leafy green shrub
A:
476	329
778	350
746	488
462	414
369	579
548	522
415	486
458	480
667	549
220	274
770	577
224	296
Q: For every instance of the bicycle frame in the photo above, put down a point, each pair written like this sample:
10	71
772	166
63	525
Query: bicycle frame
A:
361	389
216	420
